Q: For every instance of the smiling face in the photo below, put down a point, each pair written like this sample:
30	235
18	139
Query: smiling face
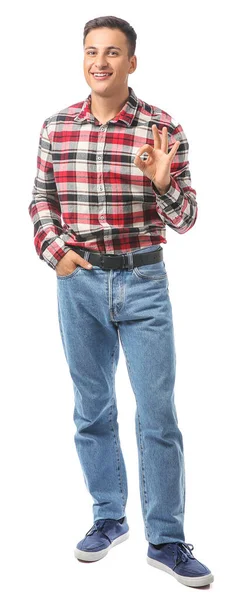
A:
106	51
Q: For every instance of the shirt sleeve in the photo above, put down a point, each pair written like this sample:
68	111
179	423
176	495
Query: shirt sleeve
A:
44	208
178	206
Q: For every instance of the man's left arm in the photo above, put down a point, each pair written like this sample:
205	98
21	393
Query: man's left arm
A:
177	203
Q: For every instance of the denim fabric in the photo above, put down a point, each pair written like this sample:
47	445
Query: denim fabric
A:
97	310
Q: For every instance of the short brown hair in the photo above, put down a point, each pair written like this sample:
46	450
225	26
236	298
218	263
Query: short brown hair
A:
114	23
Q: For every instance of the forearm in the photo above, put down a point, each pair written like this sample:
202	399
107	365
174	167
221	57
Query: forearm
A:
177	203
46	219
177	206
44	208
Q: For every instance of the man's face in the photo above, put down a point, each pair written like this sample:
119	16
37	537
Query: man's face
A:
106	50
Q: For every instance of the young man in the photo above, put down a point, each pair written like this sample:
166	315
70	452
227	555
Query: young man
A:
112	286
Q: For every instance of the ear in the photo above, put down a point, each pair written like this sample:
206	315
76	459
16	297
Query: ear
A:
133	64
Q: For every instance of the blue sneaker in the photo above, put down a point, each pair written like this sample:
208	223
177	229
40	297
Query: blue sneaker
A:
177	559
103	535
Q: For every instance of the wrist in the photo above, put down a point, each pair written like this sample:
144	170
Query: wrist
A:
161	188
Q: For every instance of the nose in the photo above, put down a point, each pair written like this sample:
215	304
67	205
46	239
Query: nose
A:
101	62
100	66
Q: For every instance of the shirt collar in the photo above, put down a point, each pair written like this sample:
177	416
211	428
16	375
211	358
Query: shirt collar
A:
126	114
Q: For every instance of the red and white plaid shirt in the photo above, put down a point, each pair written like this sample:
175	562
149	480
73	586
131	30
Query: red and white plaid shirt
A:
89	193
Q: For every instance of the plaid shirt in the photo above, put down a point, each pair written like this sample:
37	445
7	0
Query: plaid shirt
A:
89	193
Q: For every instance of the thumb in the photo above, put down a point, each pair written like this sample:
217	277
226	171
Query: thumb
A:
140	163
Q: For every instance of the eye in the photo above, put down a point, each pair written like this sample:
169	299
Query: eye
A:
93	52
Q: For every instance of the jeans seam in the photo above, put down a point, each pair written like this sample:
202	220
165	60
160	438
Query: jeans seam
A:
114	436
144	489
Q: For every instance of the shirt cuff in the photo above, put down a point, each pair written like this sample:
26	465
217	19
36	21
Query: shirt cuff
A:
54	252
174	194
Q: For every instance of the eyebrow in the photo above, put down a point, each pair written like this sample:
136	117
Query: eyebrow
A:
107	47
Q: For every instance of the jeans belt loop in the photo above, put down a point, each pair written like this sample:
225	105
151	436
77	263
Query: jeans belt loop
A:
86	254
130	261
125	262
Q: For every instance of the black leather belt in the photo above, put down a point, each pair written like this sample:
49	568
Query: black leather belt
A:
120	261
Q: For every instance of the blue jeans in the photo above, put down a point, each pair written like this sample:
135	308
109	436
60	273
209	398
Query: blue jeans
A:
97	309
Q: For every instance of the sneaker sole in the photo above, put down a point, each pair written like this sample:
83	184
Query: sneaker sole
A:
92	556
191	581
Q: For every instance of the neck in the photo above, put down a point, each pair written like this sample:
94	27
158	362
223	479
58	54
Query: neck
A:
105	108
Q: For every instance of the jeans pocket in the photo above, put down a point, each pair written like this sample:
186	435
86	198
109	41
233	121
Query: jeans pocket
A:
72	274
152	271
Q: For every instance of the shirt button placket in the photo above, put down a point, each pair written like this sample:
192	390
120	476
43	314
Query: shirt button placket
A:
100	181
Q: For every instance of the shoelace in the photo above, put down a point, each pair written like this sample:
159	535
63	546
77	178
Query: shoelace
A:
184	552
98	526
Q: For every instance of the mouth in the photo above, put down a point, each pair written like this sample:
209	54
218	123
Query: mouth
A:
100	77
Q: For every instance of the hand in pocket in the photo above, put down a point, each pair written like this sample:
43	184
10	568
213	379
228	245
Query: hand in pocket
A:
69	262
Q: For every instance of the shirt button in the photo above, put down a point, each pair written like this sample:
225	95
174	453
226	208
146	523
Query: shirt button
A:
99	157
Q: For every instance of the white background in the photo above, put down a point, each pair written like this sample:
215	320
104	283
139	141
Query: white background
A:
188	65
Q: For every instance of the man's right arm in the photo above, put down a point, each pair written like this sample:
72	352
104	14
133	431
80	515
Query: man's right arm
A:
44	208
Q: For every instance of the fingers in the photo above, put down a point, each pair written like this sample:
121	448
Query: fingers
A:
79	260
139	162
174	150
146	148
163	140
160	139
158	142
83	263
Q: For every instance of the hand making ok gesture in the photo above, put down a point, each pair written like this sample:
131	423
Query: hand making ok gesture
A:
158	164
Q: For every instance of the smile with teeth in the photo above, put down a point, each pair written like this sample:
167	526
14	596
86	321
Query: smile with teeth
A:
101	75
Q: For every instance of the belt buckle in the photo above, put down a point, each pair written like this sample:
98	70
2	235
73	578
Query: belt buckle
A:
124	261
